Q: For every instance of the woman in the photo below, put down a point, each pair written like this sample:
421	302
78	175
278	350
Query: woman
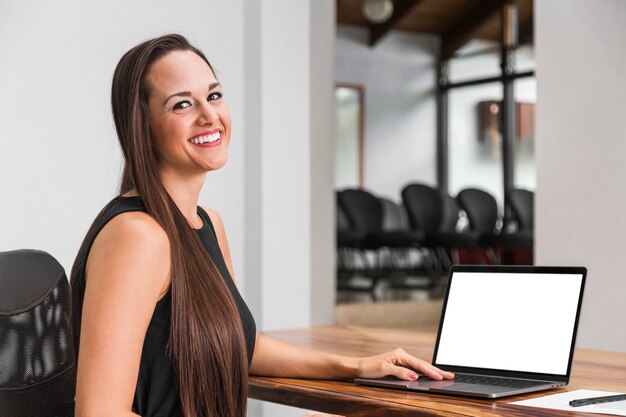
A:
163	330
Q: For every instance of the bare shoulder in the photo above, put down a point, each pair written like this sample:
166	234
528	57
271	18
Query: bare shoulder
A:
215	217
218	224
133	245
134	227
133	233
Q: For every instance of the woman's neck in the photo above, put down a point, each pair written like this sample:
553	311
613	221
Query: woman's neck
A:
185	193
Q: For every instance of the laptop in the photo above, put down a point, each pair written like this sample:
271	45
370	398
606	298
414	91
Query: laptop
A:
504	330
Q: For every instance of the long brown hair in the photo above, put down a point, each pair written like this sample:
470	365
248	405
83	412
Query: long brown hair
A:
206	339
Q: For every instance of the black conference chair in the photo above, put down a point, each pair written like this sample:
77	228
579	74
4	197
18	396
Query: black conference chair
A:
37	364
410	265
451	213
395	216
522	204
354	270
365	213
433	213
482	211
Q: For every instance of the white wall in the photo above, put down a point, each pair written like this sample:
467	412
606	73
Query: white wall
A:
321	155
289	161
59	157
581	198
399	76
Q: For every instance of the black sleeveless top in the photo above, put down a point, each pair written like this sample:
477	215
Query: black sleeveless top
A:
156	394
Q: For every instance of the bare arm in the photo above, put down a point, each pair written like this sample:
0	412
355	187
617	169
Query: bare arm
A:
126	273
275	358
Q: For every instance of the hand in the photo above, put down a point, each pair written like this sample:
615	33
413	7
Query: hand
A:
399	364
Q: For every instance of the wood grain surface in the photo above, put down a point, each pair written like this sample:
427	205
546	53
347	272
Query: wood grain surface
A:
591	370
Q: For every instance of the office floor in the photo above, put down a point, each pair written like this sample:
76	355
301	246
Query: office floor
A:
418	315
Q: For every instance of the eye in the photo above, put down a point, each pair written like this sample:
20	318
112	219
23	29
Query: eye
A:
181	105
214	96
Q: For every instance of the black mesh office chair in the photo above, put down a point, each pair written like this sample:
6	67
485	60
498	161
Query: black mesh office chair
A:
37	364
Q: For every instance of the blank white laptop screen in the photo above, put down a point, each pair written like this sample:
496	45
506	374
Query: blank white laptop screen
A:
510	321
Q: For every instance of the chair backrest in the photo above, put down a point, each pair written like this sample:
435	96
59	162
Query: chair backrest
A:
481	209
343	223
522	203
394	216
424	206
37	363
364	210
451	212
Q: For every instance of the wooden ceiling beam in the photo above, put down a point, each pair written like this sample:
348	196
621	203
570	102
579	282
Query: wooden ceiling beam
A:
470	25
401	9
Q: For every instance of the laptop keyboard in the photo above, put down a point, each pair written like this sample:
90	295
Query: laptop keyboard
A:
496	381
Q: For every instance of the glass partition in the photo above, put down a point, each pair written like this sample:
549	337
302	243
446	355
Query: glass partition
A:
349	136
475	148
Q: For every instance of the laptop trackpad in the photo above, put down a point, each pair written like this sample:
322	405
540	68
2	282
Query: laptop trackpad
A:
423	383
445	386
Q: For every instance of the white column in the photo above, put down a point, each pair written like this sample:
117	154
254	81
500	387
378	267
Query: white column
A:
581	125
289	107
322	222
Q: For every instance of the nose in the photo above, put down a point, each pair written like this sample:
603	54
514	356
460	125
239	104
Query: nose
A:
206	113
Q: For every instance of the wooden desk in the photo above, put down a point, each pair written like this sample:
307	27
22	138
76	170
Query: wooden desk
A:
591	369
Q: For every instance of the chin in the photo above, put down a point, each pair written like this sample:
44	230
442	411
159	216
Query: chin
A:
217	164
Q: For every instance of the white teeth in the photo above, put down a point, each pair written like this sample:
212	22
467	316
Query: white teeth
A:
208	138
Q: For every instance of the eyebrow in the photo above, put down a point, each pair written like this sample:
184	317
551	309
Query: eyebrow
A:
212	86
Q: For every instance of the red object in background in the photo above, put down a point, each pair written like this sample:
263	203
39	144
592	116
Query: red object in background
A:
510	257
521	257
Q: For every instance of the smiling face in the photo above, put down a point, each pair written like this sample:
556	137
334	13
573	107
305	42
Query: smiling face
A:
190	122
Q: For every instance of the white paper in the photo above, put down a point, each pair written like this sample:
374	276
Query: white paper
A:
561	402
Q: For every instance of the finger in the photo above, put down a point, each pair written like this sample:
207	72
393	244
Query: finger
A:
401	372
435	373
426	368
